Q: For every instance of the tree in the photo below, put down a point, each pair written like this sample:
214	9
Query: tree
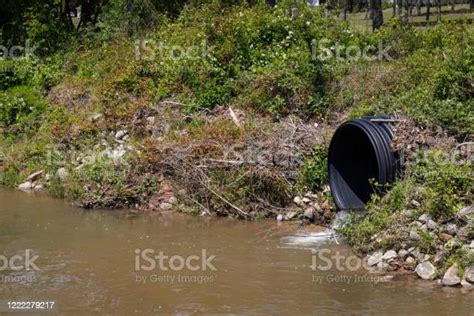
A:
377	14
428	7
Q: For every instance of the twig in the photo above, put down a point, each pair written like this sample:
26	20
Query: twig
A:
234	117
206	210
226	201
172	102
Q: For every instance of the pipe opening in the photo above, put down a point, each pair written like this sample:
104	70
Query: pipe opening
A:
360	153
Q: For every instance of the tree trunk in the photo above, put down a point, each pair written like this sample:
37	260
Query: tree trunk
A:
418	7
399	6
370	12
428	7
377	14
344	9
439	10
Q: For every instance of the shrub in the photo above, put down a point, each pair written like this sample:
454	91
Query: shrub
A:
20	109
314	173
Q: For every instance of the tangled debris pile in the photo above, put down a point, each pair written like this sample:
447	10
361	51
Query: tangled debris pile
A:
234	164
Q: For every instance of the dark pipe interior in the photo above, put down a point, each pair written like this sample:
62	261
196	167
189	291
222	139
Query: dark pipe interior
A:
352	165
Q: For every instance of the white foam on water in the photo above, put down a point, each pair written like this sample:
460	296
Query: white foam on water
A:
311	239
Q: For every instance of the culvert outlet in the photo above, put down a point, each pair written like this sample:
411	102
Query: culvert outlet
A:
360	155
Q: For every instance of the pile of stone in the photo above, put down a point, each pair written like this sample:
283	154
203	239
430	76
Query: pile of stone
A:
33	182
310	208
453	234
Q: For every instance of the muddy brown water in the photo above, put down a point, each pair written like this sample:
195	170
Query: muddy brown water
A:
87	264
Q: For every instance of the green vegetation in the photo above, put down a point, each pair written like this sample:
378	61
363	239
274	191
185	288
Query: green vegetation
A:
314	173
441	187
168	77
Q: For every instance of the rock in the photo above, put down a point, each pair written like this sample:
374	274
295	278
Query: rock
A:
38	187
414	235
411	249
279	217
410	261
120	134
383	265
173	200
309	213
298	200
418	255
469	274
389	255
431	224
426	270
166	206
116	153
375	258
35	176
450	229
62	174
326	205
290	215
342	218
451	277
150	120
311	195
393	265
471	246
415	203
463	214
439	257
26	186
463	233
445	237
467	285
95	117
425	258
402	254
306	200
424	218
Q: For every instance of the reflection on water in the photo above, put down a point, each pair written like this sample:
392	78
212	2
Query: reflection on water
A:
87	263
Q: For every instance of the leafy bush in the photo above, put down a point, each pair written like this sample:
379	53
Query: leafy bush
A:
315	170
20	109
446	184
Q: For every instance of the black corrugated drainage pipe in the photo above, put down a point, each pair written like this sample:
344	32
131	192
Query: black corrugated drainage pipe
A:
360	154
